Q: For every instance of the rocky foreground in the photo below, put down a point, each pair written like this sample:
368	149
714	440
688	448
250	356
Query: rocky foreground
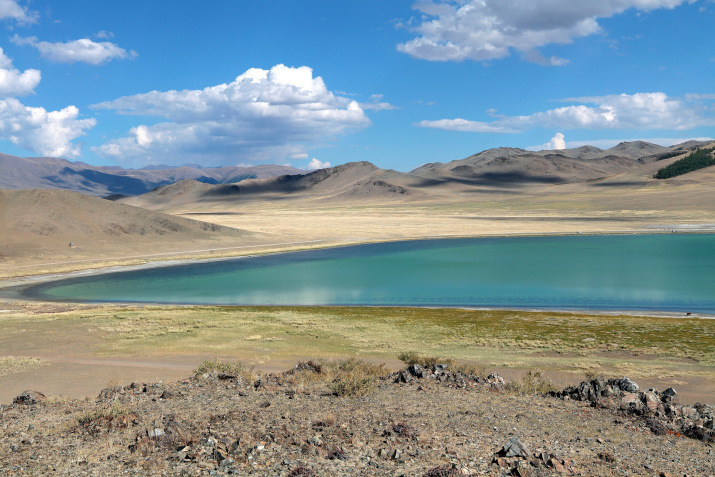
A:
357	419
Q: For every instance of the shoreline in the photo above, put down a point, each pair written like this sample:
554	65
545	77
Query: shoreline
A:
13	289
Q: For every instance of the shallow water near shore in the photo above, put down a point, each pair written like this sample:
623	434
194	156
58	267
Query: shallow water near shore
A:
660	272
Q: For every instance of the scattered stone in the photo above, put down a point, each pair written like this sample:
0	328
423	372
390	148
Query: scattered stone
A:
28	398
447	470
607	457
514	448
669	395
301	472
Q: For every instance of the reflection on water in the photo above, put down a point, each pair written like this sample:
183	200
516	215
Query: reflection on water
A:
649	272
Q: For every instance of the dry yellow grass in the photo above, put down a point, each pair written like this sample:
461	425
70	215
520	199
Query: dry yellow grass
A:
16	364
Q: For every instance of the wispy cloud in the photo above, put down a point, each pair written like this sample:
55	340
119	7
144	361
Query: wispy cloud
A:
262	115
481	30
375	103
622	111
83	50
10	9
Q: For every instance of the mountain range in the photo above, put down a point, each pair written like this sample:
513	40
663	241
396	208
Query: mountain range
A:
500	170
499	167
103	181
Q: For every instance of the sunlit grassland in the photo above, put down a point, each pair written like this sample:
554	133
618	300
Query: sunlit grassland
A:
15	364
640	346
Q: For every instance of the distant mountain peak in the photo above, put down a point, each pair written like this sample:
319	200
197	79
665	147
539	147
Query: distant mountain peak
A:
103	181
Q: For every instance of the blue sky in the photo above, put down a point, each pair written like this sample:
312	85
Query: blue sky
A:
311	83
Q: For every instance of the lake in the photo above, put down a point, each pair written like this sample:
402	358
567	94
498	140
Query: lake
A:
665	272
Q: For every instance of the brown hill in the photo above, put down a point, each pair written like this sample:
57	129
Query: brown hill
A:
52	173
42	223
510	166
354	180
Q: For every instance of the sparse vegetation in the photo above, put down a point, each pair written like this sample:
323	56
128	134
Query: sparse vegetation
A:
533	382
106	417
412	357
15	364
668	155
354	377
222	367
697	160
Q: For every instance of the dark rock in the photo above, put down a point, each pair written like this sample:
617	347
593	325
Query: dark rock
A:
439	368
669	395
110	393
625	384
514	448
29	397
415	370
495	379
404	377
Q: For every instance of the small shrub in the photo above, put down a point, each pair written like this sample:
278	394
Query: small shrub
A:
607	457
353	377
533	382
352	386
237	369
402	429
327	420
105	418
442	471
470	369
592	375
301	472
412	357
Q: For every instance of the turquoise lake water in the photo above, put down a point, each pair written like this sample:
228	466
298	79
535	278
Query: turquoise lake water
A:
667	272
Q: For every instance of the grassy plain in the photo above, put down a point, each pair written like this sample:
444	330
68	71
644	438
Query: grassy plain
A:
664	351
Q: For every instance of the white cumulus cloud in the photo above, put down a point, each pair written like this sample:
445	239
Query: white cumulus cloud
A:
83	50
621	111
16	83
557	142
261	115
315	164
49	133
11	9
456	30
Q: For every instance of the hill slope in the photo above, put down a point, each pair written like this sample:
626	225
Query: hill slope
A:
355	180
51	173
42	223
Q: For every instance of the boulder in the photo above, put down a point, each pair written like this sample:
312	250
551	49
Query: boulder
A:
29	397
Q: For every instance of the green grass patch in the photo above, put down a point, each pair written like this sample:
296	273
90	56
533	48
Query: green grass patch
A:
571	342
